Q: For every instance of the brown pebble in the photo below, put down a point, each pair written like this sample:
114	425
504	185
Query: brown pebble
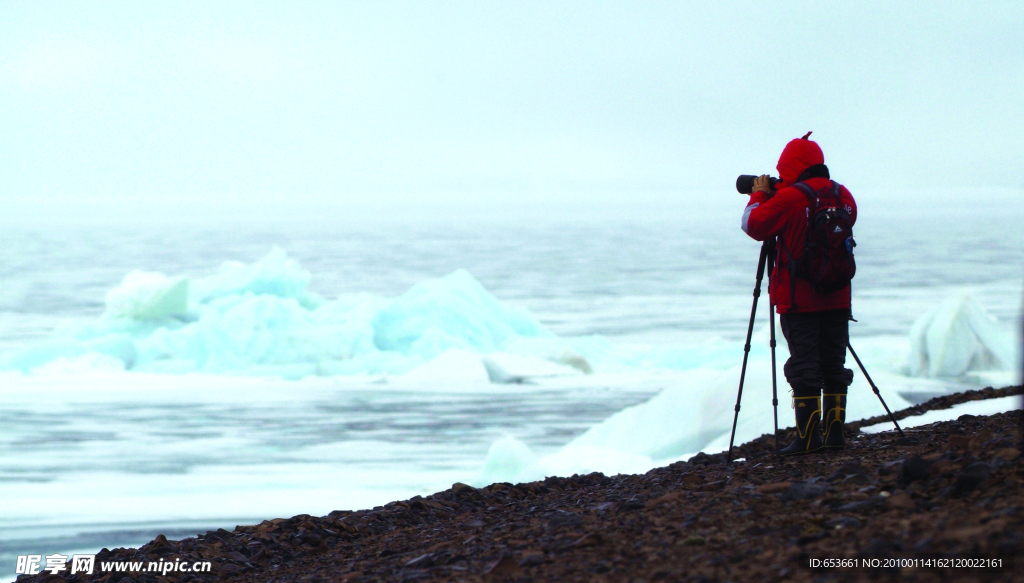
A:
1008	453
958	442
506	565
670	497
979	439
692	479
774	488
901	500
588	540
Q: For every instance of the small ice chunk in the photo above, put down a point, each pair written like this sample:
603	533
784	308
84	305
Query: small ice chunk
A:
512	368
453	365
509	460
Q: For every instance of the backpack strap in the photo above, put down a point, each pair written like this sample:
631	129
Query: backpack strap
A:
812	201
836	190
808	192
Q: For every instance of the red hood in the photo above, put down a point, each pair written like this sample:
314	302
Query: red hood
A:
798	155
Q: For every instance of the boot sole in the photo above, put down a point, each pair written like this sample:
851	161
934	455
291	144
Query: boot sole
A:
805	452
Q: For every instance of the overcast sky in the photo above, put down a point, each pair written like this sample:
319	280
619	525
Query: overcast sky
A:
264	103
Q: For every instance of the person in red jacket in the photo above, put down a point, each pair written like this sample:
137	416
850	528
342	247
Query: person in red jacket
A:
816	326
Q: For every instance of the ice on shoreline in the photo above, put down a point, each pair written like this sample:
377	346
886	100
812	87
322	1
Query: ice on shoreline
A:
983	407
693	415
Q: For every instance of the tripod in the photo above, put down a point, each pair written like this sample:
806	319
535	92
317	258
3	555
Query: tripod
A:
767	260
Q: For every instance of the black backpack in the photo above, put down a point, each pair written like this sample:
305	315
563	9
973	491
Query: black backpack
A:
827	261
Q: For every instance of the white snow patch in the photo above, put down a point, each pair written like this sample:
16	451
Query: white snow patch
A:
984	407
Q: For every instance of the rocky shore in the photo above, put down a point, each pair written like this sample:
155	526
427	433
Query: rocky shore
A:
949	490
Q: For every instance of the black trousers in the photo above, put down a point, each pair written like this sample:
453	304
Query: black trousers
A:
817	347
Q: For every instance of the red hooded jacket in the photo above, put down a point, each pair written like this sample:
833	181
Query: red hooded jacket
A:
786	216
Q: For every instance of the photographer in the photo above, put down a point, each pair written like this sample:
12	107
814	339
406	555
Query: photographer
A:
814	308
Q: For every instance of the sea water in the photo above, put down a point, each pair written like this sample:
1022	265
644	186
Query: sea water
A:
178	376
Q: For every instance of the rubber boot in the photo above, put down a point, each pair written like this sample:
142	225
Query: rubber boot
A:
834	405
808	427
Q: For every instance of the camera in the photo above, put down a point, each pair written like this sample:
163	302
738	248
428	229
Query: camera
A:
745	183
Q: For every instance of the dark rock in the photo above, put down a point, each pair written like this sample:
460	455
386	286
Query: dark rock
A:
913	469
237	557
971	477
802	491
633	503
860	479
562	518
865	505
809	538
847	469
531	559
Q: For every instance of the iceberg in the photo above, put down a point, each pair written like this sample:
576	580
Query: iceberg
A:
260	319
957	337
451	312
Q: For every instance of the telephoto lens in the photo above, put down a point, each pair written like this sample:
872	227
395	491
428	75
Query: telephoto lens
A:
745	183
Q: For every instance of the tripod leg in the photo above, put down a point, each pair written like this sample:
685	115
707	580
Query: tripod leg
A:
770	266
775	389
874	388
746	346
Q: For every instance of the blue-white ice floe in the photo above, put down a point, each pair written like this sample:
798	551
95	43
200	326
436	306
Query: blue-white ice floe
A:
260	319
